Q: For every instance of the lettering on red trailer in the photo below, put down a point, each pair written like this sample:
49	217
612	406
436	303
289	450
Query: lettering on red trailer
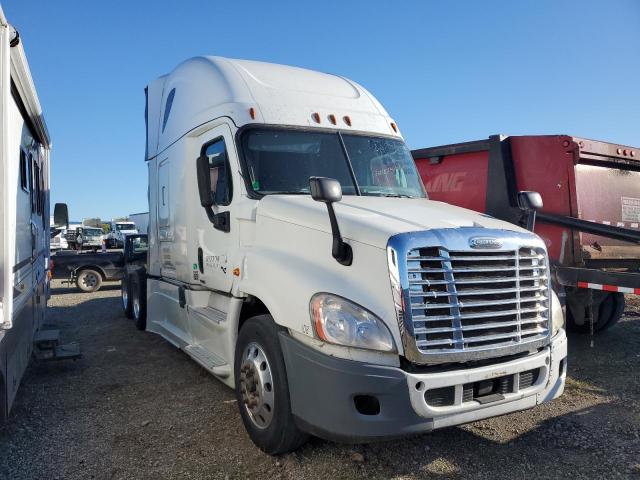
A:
446	182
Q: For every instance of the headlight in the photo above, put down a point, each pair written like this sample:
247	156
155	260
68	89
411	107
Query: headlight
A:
337	320
557	315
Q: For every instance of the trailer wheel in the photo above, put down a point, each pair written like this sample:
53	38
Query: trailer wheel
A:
262	390
608	309
612	309
89	280
125	295
139	301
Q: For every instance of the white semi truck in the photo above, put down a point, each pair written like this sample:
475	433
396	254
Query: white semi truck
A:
24	222
294	254
118	230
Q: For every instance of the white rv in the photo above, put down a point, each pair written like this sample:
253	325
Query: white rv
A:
294	254
24	218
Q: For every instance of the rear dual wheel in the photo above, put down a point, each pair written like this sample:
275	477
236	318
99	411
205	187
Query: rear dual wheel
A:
125	295
139	301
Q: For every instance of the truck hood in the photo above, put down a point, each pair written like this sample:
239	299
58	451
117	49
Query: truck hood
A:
373	220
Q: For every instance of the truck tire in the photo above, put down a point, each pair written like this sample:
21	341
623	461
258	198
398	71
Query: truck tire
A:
261	388
89	280
609	311
125	295
139	301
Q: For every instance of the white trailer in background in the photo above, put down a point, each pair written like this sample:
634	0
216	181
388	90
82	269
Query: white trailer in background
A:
141	220
24	220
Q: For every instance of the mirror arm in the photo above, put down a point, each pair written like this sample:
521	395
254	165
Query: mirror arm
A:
221	221
531	220
340	250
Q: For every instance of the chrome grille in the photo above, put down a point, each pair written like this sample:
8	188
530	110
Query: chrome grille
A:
464	301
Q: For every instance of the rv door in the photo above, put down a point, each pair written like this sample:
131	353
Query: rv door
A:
7	234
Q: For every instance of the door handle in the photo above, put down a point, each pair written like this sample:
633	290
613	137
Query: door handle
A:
200	260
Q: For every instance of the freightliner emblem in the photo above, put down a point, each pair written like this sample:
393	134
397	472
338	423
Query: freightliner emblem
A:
485	242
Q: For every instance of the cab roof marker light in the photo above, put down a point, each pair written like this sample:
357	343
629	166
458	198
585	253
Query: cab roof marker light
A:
394	127
316	117
347	120
252	113
332	118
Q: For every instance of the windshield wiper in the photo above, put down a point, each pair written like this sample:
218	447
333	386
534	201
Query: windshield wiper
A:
285	192
391	195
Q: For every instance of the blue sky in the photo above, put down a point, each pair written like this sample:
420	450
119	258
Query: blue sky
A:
446	71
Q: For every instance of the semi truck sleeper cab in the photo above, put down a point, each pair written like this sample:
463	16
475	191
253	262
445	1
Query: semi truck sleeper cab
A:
293	253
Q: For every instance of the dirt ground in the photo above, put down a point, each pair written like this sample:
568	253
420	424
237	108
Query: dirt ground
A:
135	407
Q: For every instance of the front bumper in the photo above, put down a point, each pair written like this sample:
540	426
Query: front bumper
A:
323	390
92	244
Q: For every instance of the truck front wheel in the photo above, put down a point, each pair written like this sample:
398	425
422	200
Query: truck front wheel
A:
262	390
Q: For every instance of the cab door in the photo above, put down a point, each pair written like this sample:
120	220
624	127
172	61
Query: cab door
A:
216	246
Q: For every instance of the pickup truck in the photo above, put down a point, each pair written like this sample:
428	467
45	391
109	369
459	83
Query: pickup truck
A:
87	270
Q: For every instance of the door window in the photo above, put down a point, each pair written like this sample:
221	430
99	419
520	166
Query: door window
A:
219	171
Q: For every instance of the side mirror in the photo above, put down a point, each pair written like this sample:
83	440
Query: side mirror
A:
61	215
530	202
329	191
221	221
204	181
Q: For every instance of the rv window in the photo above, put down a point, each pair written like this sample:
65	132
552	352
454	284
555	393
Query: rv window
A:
219	171
32	182
24	173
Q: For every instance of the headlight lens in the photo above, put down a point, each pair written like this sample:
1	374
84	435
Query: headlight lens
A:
557	315
339	321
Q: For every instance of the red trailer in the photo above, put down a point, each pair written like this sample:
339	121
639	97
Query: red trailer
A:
590	220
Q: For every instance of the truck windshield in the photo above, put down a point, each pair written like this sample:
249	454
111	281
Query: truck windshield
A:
125	226
92	231
281	162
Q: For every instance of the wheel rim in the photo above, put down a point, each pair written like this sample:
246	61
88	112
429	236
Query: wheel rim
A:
136	308
89	280
125	296
256	386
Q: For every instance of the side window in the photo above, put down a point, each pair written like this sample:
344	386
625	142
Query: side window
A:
24	171
167	107
221	189
33	183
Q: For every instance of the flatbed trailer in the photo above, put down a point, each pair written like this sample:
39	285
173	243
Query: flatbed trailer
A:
590	220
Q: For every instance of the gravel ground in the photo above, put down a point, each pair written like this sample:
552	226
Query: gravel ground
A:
135	407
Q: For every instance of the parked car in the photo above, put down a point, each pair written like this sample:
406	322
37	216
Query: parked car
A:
59	241
294	255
